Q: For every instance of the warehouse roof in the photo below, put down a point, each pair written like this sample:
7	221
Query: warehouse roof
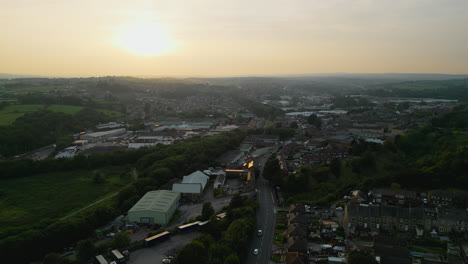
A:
196	177
159	201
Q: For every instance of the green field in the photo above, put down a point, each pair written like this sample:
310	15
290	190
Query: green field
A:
27	200
31	89
11	112
67	109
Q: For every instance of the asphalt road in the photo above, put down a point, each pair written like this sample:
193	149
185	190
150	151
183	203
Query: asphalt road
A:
265	220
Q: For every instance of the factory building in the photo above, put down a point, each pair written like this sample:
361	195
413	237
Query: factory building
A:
155	207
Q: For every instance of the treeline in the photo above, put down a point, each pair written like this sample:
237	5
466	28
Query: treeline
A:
41	128
223	241
446	89
259	109
347	102
283	133
155	165
423	159
40	98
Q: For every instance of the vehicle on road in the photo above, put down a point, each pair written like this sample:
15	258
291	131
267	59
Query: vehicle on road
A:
339	208
259	232
166	261
255	252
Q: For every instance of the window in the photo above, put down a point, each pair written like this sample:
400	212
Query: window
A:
441	229
401	220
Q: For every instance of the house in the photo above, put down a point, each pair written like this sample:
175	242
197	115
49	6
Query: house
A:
297	208
297	244
295	258
298	218
440	198
297	230
394	197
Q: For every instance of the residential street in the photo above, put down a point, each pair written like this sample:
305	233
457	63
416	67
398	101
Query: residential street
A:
265	218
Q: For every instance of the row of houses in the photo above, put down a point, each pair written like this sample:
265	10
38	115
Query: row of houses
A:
296	234
436	198
421	220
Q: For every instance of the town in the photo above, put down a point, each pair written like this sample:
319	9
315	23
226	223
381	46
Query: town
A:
290	176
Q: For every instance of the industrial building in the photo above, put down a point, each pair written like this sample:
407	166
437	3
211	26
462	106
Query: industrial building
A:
103	135
192	185
155	207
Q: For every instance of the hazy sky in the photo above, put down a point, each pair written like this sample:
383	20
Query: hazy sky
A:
235	37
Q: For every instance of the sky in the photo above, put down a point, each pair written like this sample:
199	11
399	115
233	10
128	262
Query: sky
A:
181	38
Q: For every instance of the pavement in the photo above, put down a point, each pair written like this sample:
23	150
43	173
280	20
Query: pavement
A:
156	253
266	217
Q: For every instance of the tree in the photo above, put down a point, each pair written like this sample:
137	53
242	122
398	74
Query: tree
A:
314	120
85	249
121	240
194	252
232	259
51	258
361	257
207	211
294	125
395	186
98	178
335	167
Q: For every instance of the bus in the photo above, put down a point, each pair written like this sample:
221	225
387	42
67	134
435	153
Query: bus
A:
118	256
101	260
150	241
189	227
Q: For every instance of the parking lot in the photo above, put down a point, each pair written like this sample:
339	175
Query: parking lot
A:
155	254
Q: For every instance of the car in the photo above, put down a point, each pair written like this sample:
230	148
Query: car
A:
166	261
255	252
111	235
339	208
259	232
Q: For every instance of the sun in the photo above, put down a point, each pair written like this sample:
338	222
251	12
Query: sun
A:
146	39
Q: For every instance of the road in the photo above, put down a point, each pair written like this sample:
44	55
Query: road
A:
266	218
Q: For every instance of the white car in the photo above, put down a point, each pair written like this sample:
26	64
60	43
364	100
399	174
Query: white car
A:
255	252
339	208
166	261
259	232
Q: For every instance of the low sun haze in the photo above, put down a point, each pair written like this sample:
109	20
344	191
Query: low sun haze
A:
232	38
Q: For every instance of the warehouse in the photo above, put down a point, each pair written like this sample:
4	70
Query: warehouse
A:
155	207
103	135
192	185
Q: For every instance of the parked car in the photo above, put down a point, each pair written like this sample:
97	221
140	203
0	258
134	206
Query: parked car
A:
255	252
166	261
339	208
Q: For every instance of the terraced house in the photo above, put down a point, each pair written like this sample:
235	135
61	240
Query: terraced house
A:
366	218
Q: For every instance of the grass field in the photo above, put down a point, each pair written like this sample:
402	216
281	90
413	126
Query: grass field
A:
31	89
28	199
11	112
67	109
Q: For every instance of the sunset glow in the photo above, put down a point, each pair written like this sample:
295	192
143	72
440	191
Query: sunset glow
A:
146	39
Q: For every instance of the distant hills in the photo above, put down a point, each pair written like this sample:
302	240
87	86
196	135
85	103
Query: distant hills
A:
14	76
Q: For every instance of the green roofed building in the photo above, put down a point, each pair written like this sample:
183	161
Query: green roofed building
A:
155	207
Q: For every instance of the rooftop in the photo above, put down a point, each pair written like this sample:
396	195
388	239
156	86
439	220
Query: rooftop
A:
160	201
